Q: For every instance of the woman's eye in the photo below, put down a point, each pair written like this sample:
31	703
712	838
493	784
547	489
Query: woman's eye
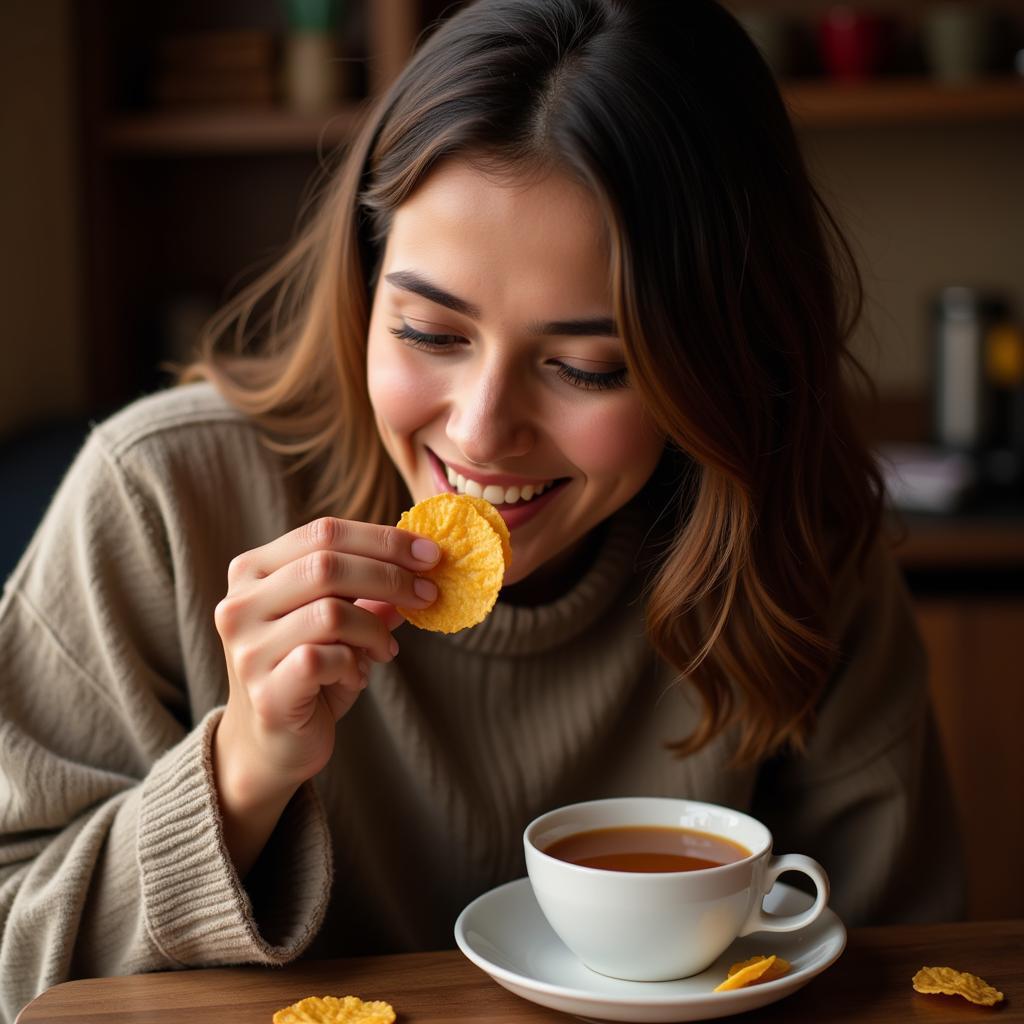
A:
417	339
588	380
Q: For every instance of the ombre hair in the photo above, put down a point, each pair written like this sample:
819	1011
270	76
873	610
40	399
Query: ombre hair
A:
734	292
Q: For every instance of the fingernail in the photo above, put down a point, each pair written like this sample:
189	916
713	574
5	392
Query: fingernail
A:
425	589
393	647
425	551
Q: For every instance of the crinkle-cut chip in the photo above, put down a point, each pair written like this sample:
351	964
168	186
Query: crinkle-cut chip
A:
746	973
332	1010
470	571
493	516
949	982
775	970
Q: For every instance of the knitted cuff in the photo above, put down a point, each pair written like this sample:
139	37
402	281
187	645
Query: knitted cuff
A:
198	911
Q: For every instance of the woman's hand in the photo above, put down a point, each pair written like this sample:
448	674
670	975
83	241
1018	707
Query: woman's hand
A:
302	619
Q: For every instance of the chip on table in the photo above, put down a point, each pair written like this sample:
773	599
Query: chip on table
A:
949	982
334	1010
475	552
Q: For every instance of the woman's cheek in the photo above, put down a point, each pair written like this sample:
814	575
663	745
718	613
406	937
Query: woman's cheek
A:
616	439
404	396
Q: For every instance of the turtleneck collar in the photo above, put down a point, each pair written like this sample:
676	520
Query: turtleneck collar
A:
519	629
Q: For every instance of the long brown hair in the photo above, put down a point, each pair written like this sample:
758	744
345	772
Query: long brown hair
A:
734	291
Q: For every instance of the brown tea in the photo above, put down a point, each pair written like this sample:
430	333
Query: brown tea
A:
647	848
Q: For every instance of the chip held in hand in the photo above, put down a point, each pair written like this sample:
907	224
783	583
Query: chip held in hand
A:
493	516
332	1010
475	552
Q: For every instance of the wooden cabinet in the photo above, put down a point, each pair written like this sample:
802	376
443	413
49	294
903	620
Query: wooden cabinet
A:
976	653
967	577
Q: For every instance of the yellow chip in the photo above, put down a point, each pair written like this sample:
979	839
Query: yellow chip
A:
755	971
493	516
777	967
746	973
331	1010
472	565
948	982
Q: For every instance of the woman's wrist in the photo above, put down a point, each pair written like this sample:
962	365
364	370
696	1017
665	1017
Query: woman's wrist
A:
251	804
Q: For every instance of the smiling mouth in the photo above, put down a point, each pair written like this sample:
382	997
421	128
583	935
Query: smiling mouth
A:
497	494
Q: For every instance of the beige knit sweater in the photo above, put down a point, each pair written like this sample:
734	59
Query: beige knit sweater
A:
112	677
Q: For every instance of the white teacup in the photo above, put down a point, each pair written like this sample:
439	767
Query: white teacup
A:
659	926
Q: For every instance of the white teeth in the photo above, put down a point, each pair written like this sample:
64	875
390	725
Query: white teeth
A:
494	493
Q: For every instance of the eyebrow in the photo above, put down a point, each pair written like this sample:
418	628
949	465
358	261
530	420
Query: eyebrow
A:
410	281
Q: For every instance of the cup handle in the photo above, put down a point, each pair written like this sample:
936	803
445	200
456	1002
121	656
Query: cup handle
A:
759	921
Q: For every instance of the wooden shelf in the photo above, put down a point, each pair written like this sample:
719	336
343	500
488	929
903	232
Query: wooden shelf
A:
903	101
961	542
813	105
211	132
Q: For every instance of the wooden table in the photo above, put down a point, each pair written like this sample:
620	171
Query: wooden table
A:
870	982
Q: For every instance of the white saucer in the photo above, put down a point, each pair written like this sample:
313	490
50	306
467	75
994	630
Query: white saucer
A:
505	934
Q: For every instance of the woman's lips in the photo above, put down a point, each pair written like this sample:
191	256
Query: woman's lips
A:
503	480
514	515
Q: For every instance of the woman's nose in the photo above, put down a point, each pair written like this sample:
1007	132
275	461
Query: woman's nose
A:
490	418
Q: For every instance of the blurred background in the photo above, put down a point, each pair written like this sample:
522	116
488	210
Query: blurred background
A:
157	155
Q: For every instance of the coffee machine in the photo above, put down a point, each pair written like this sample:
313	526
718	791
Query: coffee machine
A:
978	386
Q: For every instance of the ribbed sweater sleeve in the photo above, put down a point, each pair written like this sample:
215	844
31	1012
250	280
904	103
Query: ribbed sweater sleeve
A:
112	859
197	910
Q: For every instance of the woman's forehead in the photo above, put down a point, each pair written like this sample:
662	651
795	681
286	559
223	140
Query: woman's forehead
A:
459	190
471	224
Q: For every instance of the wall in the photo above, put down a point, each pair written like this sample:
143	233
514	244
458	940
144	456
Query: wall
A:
41	359
926	206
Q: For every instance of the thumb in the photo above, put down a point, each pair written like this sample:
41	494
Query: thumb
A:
390	615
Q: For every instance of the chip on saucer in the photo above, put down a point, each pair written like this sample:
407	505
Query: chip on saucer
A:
754	971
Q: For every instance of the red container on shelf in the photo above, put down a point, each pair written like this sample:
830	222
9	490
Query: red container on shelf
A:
853	43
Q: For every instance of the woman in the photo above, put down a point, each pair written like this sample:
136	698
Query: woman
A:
573	258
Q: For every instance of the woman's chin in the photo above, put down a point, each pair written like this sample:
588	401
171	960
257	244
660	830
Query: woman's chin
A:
528	582
512	577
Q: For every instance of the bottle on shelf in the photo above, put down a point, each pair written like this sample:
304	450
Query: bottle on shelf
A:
310	71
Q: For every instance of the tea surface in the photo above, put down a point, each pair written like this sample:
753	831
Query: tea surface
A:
647	848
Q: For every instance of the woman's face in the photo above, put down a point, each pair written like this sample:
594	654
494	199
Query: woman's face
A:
494	364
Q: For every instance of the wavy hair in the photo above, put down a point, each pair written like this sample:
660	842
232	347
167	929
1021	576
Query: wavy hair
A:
734	290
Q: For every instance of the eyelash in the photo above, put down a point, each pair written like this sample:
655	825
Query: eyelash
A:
583	379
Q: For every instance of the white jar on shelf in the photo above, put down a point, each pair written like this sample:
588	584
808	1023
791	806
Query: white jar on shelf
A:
310	80
309	72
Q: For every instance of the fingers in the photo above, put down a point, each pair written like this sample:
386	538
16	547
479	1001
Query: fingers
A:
284	696
269	611
255	651
326	573
387	613
383	543
302	619
329	620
